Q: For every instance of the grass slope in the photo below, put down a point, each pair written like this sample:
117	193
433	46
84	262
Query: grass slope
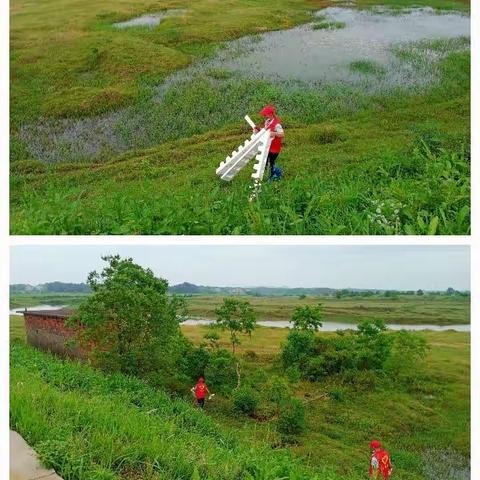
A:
90	425
393	162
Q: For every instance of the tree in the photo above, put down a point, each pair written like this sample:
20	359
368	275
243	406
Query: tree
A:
236	316
451	291
130	322
307	317
419	292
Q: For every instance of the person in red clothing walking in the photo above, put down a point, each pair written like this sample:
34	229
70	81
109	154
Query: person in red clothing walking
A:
272	123
380	464
200	391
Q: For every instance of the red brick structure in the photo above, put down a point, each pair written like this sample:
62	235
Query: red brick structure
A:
46	330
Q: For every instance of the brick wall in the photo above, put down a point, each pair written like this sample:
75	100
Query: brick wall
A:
47	331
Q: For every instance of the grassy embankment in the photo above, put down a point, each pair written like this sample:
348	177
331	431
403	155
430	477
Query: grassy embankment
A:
95	426
406	309
347	151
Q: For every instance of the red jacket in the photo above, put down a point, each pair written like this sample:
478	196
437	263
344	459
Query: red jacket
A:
380	462
201	390
276	144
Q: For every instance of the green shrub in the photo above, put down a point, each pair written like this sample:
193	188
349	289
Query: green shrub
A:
337	393
221	372
276	390
408	349
315	368
293	374
291	421
245	400
195	362
298	348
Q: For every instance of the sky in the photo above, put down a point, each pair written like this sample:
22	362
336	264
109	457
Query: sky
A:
396	267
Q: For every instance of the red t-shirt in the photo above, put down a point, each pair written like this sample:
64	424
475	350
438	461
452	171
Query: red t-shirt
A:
380	462
276	144
200	391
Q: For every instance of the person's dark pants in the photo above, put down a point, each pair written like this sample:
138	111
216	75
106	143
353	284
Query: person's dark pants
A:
201	402
271	161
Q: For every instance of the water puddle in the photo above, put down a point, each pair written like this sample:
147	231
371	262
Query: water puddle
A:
340	58
339	37
335	326
150	19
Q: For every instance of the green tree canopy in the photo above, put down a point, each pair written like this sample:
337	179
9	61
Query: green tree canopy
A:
307	317
236	316
130	321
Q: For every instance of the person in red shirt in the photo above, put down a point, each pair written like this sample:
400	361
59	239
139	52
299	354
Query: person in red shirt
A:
272	123
200	390
380	464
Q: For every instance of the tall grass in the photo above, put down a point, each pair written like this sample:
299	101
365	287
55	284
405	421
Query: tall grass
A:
417	191
88	425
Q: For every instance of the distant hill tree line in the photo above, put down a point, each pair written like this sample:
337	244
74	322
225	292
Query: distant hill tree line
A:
50	287
187	288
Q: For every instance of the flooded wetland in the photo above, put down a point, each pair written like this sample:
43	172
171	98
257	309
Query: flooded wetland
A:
369	51
121	129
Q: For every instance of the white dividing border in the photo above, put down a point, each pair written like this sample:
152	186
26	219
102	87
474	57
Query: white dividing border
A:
6	241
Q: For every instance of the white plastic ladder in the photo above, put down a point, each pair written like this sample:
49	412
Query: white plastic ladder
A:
257	146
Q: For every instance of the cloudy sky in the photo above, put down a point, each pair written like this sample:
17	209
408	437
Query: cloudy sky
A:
382	267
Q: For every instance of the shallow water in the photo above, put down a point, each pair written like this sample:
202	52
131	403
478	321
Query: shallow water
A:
327	326
150	19
20	310
305	53
335	326
301	58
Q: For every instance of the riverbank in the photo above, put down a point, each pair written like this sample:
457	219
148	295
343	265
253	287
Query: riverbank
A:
430	417
437	310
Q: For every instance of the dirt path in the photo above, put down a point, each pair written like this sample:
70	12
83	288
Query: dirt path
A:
24	463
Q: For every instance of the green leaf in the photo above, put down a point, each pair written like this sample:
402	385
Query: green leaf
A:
432	228
409	230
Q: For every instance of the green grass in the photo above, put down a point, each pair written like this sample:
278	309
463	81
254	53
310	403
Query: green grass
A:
367	67
406	309
406	148
328	25
20	300
94	426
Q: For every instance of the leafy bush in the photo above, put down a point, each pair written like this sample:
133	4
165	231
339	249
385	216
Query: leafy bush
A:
221	371
293	374
291	421
245	400
298	348
407	350
195	362
337	393
370	348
